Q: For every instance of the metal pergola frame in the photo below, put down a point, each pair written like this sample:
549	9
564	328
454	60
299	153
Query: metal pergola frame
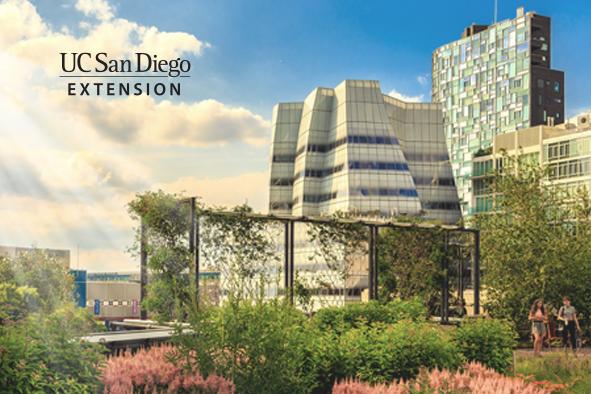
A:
289	222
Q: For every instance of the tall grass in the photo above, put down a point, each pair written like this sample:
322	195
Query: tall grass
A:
559	368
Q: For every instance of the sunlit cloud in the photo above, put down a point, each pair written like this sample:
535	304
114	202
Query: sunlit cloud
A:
251	188
408	98
69	166
99	9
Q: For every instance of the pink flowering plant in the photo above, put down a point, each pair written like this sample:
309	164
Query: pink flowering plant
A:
472	378
152	371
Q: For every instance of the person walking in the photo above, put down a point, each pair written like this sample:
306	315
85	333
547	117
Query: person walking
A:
568	315
538	317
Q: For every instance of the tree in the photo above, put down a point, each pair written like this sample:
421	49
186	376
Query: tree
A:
535	244
16	302
48	275
40	329
409	265
166	222
33	281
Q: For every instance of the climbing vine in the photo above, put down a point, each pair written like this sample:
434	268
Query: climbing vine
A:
243	249
340	243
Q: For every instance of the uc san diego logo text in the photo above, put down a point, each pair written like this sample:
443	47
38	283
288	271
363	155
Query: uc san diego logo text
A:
140	74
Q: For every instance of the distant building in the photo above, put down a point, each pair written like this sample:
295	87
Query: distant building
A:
354	149
116	295
113	300
495	79
565	149
60	255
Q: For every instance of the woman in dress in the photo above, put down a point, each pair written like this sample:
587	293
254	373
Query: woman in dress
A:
537	315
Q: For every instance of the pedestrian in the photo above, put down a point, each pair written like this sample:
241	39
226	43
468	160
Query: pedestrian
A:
538	317
568	315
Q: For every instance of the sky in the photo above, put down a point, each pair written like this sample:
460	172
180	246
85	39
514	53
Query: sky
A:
69	165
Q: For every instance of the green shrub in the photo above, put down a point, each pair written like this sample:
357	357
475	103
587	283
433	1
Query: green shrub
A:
341	319
42	354
382	353
326	360
261	347
488	341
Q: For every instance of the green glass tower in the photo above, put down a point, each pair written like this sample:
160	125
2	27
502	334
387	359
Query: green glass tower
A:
495	79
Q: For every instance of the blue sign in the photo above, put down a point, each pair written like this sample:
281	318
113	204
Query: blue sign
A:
97	307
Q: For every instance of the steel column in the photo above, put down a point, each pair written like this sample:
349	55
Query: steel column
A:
476	272
375	262
291	260
143	268
286	257
445	282
460	273
370	262
194	243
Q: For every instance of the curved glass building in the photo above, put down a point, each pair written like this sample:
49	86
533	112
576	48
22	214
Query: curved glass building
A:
354	149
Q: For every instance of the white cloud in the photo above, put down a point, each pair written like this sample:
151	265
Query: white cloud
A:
27	220
423	79
409	99
69	166
19	21
128	120
143	120
105	260
251	188
100	9
24	33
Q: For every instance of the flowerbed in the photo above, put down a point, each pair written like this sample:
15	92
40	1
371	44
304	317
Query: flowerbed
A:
473	378
151	371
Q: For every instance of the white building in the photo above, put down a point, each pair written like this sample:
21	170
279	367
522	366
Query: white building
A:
354	149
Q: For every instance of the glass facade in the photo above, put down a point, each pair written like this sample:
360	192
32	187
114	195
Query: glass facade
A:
354	149
569	161
565	150
484	84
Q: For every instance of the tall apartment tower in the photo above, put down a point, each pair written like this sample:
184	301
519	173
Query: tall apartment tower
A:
495	79
354	149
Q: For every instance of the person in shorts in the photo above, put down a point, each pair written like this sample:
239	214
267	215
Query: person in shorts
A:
538	318
568	315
